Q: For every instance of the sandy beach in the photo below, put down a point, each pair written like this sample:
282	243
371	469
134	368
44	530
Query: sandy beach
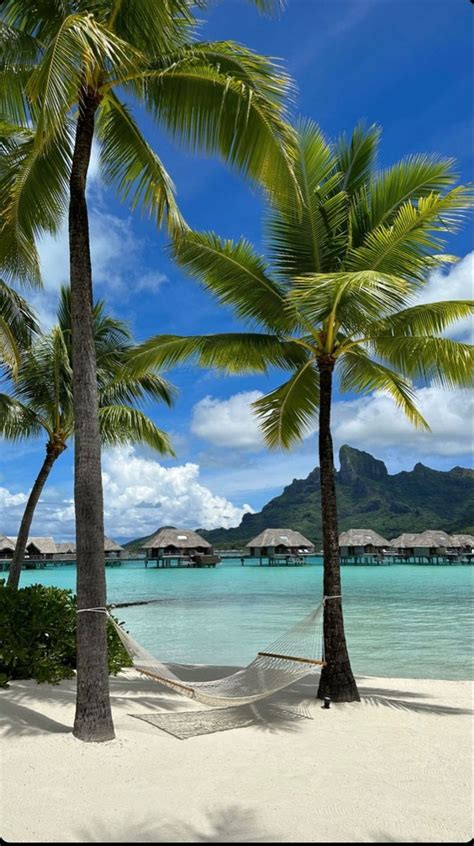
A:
394	768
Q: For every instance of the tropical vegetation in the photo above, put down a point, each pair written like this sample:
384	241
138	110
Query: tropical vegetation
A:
71	72
38	635
39	402
336	297
18	326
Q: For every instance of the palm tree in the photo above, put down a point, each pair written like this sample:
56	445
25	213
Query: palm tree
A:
72	70
18	326
40	402
336	296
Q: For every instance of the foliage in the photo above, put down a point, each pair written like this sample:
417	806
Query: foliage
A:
219	97
367	497
38	635
40	398
338	289
18	326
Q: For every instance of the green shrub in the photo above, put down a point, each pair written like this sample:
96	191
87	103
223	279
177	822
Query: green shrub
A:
38	635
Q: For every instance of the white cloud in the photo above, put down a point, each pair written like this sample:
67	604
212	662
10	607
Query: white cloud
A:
230	423
375	422
455	284
139	495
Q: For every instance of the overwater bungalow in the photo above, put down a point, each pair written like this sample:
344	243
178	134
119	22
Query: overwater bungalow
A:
281	546
184	547
112	549
38	549
463	544
423	544
7	547
357	542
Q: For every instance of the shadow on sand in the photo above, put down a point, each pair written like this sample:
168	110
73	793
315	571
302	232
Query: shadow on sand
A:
228	825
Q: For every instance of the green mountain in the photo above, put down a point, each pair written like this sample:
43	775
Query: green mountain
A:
368	497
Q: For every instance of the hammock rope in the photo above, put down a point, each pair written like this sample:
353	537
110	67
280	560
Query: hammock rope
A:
287	659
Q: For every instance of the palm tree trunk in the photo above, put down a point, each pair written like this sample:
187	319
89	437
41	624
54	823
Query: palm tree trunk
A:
93	720
52	453
337	680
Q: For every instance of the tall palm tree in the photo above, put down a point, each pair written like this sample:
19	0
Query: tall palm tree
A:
72	70
40	402
336	296
18	326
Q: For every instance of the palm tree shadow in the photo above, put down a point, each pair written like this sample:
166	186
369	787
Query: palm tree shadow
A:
227	825
404	700
19	720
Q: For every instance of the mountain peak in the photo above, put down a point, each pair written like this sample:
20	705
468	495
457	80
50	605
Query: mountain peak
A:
356	463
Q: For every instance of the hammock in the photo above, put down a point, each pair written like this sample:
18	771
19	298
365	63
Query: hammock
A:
289	658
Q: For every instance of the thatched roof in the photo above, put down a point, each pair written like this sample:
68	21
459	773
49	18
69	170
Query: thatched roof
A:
64	547
6	543
111	546
362	537
279	537
180	538
46	546
429	538
462	540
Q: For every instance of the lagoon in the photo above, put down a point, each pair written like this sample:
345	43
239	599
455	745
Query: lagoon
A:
405	621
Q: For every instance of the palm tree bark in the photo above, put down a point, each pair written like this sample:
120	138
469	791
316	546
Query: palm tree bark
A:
53	450
337	680
93	720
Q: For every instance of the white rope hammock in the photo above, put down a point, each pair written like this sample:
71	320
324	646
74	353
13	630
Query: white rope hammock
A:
289	658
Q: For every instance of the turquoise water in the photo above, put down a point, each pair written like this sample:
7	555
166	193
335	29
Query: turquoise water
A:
404	620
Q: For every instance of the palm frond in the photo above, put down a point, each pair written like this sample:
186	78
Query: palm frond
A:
356	157
236	275
128	162
232	352
437	360
17	326
18	421
287	412
33	187
413	236
120	424
303	240
361	374
423	319
239	114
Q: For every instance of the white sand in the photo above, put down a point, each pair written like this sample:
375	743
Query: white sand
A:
395	768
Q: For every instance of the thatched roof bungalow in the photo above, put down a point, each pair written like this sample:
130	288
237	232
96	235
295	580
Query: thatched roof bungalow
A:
272	542
112	549
39	547
361	542
66	547
429	542
7	547
172	542
462	543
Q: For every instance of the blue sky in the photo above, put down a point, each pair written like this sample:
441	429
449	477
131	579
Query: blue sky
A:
404	65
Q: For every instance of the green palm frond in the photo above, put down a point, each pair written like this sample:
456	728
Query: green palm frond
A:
424	319
356	157
287	412
120	424
362	375
241	117
33	187
301	240
348	300
70	62
18	326
126	388
236	275
18	421
402	247
233	352
129	163
439	360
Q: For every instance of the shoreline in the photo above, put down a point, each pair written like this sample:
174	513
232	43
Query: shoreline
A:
395	767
